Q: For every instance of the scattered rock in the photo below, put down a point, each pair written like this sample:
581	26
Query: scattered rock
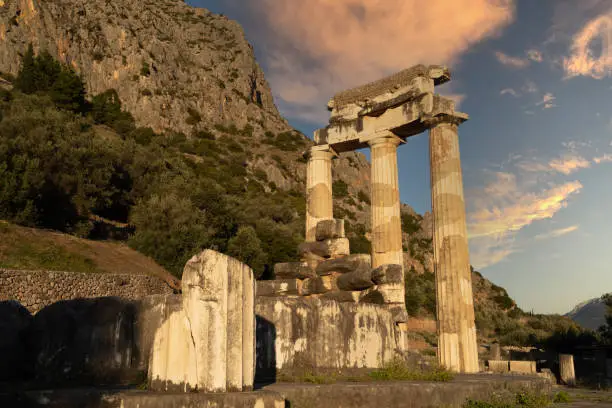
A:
388	274
293	270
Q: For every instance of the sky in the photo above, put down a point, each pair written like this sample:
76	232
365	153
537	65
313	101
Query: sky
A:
535	76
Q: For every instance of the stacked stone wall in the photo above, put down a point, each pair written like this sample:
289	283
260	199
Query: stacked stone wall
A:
37	289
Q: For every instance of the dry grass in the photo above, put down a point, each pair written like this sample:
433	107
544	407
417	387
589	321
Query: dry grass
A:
34	249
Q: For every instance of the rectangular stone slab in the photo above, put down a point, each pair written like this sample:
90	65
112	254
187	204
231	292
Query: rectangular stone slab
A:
329	229
498	366
279	287
293	270
524	367
330	248
344	264
387	274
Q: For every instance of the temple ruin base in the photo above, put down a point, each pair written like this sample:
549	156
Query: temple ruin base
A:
311	333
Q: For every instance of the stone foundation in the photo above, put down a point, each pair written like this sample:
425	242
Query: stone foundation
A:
299	332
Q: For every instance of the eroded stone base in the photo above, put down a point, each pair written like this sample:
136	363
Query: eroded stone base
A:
321	333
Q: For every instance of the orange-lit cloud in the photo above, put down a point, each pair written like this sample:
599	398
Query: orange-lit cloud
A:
514	62
503	209
548	101
557	233
316	48
583	60
603	159
569	164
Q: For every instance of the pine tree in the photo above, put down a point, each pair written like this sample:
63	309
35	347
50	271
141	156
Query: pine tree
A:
26	78
68	91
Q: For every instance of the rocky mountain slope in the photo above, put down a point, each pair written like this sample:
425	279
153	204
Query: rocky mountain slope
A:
590	314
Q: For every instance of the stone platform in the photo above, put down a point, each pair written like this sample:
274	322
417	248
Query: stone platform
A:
98	398
406	394
375	394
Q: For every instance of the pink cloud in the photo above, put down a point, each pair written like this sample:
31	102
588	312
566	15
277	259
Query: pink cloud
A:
583	60
514	62
316	48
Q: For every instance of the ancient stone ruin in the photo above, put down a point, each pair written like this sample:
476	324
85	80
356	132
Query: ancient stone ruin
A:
382	115
206	341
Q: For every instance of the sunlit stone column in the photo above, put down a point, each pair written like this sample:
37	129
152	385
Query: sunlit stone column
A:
319	204
386	221
457	348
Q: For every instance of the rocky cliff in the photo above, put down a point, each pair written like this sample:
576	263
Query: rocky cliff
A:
590	314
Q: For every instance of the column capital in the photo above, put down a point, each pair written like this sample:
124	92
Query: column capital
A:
321	152
387	138
455	119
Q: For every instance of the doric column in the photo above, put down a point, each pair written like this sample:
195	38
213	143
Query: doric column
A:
386	221
319	203
457	348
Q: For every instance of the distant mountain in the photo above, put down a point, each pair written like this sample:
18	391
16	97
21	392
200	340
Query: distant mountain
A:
589	314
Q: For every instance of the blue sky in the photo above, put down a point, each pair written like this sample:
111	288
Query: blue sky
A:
535	78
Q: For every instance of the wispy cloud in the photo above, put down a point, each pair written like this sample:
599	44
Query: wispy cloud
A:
603	159
509	91
534	55
515	62
312	49
569	164
548	100
582	59
503	209
556	233
530	87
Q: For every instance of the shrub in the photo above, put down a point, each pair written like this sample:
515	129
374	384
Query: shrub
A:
339	189
363	197
246	247
145	70
193	117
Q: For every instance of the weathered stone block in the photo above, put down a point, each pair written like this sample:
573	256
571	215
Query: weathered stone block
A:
344	264
316	332
524	367
381	294
359	279
567	375
342	296
330	248
293	270
208	342
388	274
330	229
321	284
280	287
498	366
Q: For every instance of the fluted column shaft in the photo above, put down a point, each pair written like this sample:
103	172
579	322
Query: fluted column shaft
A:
457	347
386	221
319	203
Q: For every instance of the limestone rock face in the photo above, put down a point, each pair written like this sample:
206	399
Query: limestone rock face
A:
187	58
208	343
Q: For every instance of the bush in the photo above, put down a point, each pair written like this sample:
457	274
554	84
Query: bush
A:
339	189
363	197
246	247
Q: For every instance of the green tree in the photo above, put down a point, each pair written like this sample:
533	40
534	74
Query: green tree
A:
246	247
68	91
26	78
170	229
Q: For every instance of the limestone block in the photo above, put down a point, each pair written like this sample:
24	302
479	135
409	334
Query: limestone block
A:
344	264
314	332
524	367
566	369
293	270
330	229
498	366
342	296
207	343
398	311
495	351
280	287
388	274
359	279
381	294
321	284
312	260
330	248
